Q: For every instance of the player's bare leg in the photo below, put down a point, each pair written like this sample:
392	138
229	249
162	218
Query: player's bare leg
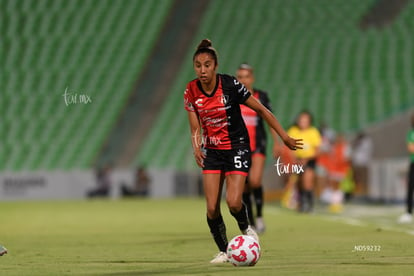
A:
255	184
234	192
308	179
213	184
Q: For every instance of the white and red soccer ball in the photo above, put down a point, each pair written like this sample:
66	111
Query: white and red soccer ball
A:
243	250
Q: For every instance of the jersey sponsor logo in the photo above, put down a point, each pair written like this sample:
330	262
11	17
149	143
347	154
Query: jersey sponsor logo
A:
199	103
214	109
215	122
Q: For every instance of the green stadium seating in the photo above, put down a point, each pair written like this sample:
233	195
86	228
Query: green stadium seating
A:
93	47
307	54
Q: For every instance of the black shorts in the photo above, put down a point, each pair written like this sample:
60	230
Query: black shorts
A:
234	161
260	149
311	164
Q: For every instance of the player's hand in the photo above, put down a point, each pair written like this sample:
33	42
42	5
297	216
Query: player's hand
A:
199	156
293	144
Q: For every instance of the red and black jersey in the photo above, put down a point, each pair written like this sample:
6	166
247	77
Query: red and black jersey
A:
219	112
254	123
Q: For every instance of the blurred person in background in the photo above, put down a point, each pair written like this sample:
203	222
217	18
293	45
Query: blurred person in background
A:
408	216
339	167
141	184
323	161
3	250
306	157
361	156
258	142
290	193
103	183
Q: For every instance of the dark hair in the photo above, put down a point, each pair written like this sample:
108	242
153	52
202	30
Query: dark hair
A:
245	66
206	46
304	112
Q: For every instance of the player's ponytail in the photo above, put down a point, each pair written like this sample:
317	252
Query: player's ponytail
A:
205	46
205	43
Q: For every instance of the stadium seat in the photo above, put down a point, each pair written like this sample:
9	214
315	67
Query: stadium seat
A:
308	55
93	47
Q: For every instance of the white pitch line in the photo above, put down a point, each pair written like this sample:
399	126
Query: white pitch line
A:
352	221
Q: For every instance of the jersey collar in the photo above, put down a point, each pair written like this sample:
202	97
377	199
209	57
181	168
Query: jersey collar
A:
214	90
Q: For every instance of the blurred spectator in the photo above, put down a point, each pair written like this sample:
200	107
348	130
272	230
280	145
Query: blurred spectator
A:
103	183
338	170
141	184
324	158
289	194
408	217
361	156
306	158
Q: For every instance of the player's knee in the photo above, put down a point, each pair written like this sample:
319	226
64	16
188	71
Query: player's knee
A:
234	205
254	183
213	212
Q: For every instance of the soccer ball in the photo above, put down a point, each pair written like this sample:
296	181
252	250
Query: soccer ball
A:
243	250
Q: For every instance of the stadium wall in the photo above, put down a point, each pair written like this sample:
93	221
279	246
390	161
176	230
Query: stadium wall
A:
60	185
389	136
388	180
387	183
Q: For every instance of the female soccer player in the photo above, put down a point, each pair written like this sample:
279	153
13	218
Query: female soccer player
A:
223	150
306	157
258	140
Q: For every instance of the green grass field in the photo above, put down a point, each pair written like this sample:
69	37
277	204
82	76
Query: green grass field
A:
171	237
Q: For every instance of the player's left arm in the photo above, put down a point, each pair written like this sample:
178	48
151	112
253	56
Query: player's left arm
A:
277	145
272	121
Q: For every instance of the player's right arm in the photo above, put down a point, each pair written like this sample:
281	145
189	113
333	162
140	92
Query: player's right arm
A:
271	120
195	128
196	138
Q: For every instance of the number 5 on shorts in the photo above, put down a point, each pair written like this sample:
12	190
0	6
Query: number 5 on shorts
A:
237	162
